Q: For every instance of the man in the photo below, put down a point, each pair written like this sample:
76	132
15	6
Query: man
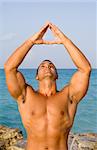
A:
47	114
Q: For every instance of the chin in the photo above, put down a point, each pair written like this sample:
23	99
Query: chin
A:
50	77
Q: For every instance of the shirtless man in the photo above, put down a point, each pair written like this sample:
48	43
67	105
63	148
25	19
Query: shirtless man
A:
47	114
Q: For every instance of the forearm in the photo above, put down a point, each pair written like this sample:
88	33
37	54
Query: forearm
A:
17	57
77	56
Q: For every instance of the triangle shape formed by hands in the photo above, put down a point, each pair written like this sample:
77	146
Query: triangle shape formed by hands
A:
47	34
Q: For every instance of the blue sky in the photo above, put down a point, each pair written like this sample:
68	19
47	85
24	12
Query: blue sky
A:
19	20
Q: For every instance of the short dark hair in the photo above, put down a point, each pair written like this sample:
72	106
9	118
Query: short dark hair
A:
42	62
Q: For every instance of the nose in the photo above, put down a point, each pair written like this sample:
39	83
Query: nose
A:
48	67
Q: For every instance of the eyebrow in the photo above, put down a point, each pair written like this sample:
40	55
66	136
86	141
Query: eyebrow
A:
44	63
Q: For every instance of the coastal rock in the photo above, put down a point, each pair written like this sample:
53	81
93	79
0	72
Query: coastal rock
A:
19	146
9	136
15	148
12	139
82	141
2	145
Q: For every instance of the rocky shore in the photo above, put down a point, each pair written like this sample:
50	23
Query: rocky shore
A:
12	139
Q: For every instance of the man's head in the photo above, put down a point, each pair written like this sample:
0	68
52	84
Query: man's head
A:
46	69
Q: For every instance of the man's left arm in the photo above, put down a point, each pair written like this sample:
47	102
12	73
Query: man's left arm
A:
78	85
80	80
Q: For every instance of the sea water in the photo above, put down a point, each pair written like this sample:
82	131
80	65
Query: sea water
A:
86	116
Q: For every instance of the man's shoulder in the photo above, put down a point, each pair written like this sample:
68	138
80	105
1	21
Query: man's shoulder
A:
64	91
65	88
29	87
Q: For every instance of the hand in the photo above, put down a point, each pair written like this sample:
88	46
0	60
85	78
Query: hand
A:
57	33
38	36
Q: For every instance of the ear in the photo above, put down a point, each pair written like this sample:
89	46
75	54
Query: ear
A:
56	74
57	77
37	77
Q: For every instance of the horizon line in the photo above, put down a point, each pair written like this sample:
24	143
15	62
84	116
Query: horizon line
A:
57	68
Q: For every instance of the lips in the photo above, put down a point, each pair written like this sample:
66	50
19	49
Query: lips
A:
48	72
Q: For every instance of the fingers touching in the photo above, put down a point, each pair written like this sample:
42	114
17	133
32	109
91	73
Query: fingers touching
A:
42	31
56	31
39	35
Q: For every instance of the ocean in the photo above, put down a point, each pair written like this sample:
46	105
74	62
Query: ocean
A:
86	116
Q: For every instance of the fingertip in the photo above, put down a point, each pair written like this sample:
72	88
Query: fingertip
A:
47	23
50	24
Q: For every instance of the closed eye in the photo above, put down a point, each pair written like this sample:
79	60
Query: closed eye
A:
42	66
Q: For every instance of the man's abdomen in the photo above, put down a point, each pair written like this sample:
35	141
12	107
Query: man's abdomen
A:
47	134
50	143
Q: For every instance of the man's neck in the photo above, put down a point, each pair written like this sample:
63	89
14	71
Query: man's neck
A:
47	87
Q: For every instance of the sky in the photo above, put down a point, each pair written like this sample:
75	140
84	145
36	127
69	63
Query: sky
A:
19	20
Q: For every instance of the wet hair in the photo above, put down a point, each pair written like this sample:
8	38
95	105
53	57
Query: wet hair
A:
42	62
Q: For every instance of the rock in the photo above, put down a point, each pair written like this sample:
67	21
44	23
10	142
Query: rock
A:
95	147
2	145
15	148
9	136
12	139
21	143
84	141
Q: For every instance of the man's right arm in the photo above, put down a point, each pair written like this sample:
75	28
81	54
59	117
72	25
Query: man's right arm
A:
16	83
14	79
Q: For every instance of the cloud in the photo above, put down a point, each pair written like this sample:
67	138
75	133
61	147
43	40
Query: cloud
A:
8	36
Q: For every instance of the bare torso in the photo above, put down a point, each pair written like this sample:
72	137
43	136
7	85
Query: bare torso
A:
47	120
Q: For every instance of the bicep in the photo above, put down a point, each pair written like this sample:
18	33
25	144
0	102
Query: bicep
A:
15	83
78	85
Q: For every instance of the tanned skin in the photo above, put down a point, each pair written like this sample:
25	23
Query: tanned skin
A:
47	115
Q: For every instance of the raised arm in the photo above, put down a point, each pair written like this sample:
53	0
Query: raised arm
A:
14	78
80	80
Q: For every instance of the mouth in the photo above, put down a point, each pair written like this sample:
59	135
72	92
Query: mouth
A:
48	72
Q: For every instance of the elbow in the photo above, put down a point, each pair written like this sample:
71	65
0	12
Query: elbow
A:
88	68
7	67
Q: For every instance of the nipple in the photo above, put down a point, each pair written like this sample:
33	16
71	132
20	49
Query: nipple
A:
62	113
33	113
23	101
71	101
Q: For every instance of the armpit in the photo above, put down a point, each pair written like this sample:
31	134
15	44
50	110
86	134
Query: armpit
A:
73	99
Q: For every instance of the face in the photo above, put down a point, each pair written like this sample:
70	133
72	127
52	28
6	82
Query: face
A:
46	70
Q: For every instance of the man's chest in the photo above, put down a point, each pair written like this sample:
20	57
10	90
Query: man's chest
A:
39	108
38	105
46	115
